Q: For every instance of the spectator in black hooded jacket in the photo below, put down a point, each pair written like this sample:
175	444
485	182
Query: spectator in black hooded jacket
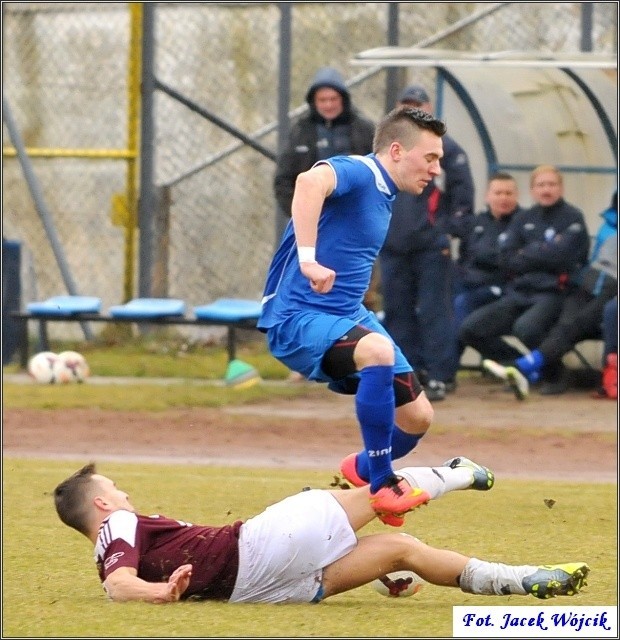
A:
332	127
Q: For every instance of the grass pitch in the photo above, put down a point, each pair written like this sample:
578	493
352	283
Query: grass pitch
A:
51	587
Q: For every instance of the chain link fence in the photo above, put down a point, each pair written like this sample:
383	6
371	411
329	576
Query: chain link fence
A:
66	79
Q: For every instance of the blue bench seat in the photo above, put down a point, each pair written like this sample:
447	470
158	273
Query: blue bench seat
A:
65	306
233	313
229	310
144	308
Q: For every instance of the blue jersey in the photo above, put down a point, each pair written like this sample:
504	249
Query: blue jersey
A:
351	230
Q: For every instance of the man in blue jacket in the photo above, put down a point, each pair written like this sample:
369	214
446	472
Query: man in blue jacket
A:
416	263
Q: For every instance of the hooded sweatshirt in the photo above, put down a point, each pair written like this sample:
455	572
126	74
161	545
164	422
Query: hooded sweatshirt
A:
314	138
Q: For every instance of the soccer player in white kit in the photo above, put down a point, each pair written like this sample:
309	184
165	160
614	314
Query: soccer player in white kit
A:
304	548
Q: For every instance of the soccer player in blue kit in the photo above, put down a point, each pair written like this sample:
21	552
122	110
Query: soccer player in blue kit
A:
313	312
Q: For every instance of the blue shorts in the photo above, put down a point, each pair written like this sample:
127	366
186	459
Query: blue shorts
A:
301	341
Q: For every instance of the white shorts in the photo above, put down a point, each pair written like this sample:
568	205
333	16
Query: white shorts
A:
283	550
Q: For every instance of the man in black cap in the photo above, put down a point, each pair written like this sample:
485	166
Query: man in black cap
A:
416	263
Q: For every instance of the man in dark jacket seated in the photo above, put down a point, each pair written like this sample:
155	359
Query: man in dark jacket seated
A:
479	276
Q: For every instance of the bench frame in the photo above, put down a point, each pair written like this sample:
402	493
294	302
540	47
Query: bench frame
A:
24	318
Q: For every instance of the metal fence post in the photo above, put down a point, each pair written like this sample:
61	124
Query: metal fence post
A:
587	11
146	203
284	98
39	201
392	74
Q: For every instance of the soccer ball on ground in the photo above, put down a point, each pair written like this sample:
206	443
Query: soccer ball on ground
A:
398	584
71	366
41	367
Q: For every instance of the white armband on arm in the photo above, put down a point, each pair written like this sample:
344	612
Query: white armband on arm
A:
306	254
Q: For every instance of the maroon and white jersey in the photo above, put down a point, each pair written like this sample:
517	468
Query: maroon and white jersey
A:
155	546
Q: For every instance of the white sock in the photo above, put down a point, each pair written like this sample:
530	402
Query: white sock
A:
437	480
494	578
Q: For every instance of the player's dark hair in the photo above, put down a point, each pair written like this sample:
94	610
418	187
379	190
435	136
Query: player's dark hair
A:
71	498
501	175
396	126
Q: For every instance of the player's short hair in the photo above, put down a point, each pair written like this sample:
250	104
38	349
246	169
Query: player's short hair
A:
502	175
71	498
396	126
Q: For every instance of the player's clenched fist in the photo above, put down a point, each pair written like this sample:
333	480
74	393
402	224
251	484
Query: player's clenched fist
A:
321	278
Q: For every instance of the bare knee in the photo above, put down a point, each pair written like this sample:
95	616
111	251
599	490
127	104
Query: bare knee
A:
416	416
406	548
373	349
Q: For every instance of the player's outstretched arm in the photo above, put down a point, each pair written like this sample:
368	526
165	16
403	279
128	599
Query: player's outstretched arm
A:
124	585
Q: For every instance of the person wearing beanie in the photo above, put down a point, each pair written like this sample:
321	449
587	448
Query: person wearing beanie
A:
416	263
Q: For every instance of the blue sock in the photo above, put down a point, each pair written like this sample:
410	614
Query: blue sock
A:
530	365
402	444
374	403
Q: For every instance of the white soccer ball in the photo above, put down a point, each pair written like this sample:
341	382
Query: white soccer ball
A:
41	367
62	373
398	584
71	366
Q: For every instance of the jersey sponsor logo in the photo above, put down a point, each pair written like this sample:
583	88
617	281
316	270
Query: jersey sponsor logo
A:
113	559
375	453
